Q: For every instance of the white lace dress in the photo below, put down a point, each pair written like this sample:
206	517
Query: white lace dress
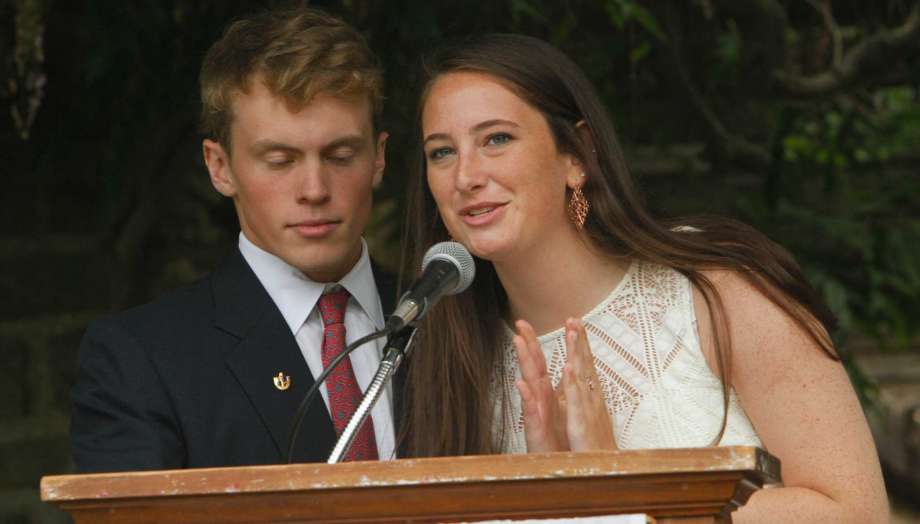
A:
659	390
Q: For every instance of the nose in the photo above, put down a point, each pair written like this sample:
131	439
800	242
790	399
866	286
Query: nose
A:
312	184
471	175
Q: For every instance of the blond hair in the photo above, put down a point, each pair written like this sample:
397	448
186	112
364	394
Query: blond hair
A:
297	53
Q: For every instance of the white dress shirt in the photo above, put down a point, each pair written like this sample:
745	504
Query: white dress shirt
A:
297	297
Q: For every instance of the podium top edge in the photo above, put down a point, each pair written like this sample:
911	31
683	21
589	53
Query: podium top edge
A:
751	462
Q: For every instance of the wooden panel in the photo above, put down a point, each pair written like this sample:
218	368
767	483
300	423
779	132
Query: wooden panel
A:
703	482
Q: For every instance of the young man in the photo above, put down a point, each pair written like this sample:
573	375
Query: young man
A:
211	375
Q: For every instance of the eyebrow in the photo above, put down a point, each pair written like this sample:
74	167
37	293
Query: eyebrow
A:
264	146
353	141
475	129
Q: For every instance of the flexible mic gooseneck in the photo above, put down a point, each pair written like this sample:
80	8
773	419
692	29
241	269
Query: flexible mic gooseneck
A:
305	403
447	269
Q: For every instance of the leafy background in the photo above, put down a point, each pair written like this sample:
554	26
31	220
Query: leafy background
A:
801	117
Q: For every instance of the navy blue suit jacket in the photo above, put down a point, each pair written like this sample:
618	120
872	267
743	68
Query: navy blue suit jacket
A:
186	381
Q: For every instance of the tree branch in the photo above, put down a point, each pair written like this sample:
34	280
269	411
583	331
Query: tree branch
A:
872	53
764	24
733	145
833	30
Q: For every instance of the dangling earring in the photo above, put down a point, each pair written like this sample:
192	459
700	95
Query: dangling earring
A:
578	207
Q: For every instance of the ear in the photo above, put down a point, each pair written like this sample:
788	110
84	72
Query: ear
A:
584	133
218	162
576	177
577	174
380	160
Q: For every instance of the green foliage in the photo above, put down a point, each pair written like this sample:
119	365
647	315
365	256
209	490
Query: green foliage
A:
846	205
729	49
116	130
621	12
521	9
26	85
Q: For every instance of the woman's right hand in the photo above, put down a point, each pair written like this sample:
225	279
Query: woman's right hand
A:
543	407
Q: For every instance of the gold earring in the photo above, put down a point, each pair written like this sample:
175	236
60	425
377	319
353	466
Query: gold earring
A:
578	207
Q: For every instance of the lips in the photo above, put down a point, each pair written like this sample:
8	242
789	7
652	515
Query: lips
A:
315	228
480	208
482	213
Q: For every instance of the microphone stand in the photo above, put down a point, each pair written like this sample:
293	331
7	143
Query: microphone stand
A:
397	348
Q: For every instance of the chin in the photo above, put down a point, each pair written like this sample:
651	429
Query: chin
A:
320	263
486	250
324	273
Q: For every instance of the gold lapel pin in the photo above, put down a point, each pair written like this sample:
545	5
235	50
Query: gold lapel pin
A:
282	381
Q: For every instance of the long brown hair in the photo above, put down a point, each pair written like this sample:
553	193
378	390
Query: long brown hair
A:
450	378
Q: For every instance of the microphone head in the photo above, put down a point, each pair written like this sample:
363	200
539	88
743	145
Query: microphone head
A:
456	254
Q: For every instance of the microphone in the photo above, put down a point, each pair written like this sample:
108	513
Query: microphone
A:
447	269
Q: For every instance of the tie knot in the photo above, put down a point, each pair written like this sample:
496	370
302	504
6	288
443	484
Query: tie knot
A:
332	306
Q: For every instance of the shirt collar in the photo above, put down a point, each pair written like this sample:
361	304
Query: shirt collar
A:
296	295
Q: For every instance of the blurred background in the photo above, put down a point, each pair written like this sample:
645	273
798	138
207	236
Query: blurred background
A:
800	117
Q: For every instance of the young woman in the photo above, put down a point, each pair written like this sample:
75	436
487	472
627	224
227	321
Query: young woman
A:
590	324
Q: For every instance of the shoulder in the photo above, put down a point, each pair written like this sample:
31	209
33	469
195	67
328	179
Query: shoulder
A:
754	326
798	398
176	311
757	325
172	324
175	306
741	300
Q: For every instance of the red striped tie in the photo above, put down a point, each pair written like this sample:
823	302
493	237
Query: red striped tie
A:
344	393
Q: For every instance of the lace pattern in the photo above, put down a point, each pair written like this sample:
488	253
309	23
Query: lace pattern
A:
659	390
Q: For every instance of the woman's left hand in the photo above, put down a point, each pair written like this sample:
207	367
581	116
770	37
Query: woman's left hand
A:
573	416
588	423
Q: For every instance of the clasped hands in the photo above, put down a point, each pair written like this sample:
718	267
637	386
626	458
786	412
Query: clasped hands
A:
572	417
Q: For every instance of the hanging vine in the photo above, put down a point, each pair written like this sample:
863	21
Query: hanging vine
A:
26	84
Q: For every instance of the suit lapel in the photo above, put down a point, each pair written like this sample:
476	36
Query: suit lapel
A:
266	348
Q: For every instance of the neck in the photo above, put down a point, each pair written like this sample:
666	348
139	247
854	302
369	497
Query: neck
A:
560	279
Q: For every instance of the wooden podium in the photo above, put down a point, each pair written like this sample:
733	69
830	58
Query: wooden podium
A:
675	485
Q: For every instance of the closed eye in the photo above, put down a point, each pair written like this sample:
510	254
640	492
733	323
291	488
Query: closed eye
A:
344	151
279	162
342	158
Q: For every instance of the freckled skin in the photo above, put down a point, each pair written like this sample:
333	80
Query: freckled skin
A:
799	400
512	161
